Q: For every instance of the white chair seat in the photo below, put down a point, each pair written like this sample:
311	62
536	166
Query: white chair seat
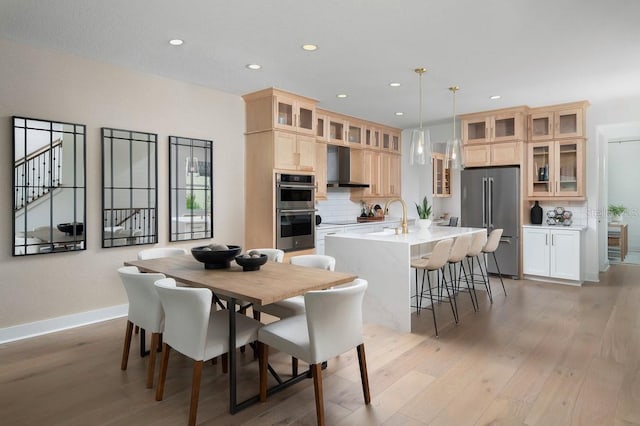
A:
217	342
284	308
290	335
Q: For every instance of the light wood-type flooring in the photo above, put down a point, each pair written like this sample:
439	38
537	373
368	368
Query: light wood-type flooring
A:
544	355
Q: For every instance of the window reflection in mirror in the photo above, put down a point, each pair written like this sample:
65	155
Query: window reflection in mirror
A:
49	186
129	188
191	188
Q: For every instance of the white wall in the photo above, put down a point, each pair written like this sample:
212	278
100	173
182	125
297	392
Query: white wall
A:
50	85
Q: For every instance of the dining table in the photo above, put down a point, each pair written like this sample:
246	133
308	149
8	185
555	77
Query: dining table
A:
273	282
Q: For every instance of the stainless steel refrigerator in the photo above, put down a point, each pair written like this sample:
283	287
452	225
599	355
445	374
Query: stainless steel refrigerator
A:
491	199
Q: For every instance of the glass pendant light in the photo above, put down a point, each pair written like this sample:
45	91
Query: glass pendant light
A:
420	138
453	156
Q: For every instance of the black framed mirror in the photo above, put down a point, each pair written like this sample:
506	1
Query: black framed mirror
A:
129	188
191	188
49	186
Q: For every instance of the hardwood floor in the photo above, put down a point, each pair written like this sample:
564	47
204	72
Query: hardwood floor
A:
544	355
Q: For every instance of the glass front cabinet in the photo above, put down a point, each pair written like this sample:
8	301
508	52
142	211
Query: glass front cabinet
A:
556	168
441	176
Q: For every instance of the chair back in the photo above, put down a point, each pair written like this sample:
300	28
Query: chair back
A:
155	253
439	254
274	255
460	248
453	221
334	320
478	241
145	309
493	240
187	313
320	261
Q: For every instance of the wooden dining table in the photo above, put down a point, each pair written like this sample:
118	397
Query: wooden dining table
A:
272	283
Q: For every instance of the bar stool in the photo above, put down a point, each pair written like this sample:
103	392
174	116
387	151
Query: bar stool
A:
435	262
492	245
458	253
478	241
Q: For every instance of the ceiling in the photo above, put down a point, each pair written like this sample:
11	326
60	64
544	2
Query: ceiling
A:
533	52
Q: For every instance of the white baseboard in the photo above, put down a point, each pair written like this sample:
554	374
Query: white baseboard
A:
38	328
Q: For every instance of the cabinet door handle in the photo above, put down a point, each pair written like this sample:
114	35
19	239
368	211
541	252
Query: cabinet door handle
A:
546	240
553	242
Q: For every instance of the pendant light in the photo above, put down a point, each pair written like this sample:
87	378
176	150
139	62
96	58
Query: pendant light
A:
420	139
453	157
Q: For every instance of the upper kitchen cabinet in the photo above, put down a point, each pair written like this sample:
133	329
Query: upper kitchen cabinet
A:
494	126
322	126
276	109
337	130
557	121
490	154
441	176
390	175
556	169
355	133
371	137
294	152
321	171
391	140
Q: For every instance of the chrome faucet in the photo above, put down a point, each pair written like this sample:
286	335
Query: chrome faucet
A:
405	228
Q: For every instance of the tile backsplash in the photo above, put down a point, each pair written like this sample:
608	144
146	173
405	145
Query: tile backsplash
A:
338	206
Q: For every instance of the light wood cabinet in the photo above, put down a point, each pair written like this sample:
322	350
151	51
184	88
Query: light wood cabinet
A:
322	127
294	152
557	121
552	253
371	137
493	154
441	176
494	126
391	141
276	109
555	169
321	171
337	130
390	175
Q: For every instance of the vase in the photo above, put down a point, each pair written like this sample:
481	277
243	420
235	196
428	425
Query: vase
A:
423	223
536	214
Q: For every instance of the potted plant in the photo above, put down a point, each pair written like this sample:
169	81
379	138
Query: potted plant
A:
616	212
424	213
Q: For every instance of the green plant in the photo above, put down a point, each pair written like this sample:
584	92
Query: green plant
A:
192	204
424	209
616	210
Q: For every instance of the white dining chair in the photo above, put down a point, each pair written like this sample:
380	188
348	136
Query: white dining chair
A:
195	330
331	326
145	311
273	254
458	253
478	241
158	252
493	241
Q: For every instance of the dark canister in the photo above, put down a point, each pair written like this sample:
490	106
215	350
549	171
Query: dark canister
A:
536	214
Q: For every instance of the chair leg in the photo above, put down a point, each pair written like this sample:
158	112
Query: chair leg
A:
316	371
162	376
127	345
137	329
452	298
485	279
152	359
294	366
499	273
469	289
263	364
364	377
195	391
225	363
433	307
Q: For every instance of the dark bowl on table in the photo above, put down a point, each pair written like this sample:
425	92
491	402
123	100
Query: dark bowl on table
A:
251	263
73	228
215	259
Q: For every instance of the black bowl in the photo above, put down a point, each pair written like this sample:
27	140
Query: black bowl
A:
73	228
251	263
218	259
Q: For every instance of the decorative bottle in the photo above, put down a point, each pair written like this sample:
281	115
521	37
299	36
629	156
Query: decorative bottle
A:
536	214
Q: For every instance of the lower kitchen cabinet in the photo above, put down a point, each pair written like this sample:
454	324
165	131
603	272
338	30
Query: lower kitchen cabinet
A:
553	253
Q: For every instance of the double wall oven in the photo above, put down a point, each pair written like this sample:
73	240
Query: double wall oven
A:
295	211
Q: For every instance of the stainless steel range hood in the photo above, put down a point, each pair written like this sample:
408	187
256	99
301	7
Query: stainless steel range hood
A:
339	168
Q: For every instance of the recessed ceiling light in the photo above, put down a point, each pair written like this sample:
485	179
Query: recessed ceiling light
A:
254	66
494	97
309	47
399	113
393	84
176	42
341	95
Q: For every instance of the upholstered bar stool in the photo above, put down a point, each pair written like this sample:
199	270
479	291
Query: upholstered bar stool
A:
478	241
458	253
490	248
435	262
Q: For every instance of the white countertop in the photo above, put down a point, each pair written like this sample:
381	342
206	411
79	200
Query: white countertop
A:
544	226
414	237
387	221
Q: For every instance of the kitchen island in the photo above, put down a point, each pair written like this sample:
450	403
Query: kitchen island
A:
384	259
